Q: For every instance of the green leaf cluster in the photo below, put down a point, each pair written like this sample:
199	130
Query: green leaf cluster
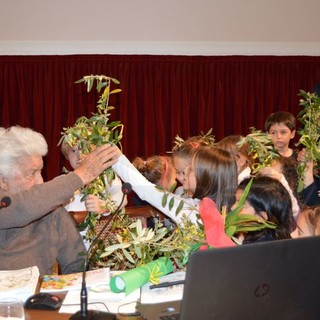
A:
242	223
131	244
206	138
309	132
89	133
169	198
260	149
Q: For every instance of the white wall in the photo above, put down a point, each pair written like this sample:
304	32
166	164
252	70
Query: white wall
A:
206	27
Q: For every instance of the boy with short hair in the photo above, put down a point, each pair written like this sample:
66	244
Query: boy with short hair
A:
281	126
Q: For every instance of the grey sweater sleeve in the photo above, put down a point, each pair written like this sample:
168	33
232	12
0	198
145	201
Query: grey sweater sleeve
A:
30	205
71	248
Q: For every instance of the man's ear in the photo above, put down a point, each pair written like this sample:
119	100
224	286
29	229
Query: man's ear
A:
3	183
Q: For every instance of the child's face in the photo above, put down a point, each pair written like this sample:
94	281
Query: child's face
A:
185	174
247	207
190	183
302	229
74	157
180	165
281	136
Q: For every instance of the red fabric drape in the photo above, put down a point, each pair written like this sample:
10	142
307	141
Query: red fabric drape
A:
162	96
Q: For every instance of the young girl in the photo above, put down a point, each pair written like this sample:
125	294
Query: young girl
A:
241	154
268	199
281	170
182	154
212	173
157	169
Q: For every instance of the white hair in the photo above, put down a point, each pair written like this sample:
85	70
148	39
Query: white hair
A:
17	143
2	131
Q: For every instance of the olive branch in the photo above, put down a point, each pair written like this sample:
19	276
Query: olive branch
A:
89	133
309	117
260	148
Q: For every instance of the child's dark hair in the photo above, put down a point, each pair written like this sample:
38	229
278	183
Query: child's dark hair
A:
270	196
284	117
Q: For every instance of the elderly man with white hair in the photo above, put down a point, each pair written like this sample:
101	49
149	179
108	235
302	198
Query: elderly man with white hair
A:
35	229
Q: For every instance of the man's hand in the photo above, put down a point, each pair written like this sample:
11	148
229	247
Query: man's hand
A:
96	162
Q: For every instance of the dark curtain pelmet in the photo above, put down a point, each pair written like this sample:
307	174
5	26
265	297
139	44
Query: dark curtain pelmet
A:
162	96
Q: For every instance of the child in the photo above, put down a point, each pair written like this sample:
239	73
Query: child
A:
182	154
283	169
241	154
92	203
158	170
268	199
212	173
308	223
245	162
281	126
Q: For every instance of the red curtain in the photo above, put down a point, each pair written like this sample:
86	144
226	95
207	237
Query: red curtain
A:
162	96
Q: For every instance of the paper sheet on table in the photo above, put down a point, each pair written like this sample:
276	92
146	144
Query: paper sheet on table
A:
101	297
171	293
73	281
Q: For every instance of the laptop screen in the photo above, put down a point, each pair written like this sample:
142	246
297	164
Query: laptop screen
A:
271	280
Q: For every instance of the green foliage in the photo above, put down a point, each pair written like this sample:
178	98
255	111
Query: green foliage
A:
309	118
87	134
260	148
134	244
206	138
241	223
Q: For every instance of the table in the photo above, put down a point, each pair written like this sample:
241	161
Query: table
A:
45	315
55	315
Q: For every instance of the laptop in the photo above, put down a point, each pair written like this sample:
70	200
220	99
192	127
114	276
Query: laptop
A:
270	280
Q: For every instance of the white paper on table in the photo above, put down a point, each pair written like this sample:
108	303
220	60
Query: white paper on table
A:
20	283
170	293
115	302
73	281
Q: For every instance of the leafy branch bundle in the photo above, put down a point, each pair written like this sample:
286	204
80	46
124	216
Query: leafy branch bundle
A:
135	244
87	134
309	117
260	149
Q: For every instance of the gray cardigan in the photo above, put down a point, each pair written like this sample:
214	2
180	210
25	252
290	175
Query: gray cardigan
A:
36	229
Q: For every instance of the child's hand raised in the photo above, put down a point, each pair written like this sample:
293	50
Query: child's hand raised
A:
94	204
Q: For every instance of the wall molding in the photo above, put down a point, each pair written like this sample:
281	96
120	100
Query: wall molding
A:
158	48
